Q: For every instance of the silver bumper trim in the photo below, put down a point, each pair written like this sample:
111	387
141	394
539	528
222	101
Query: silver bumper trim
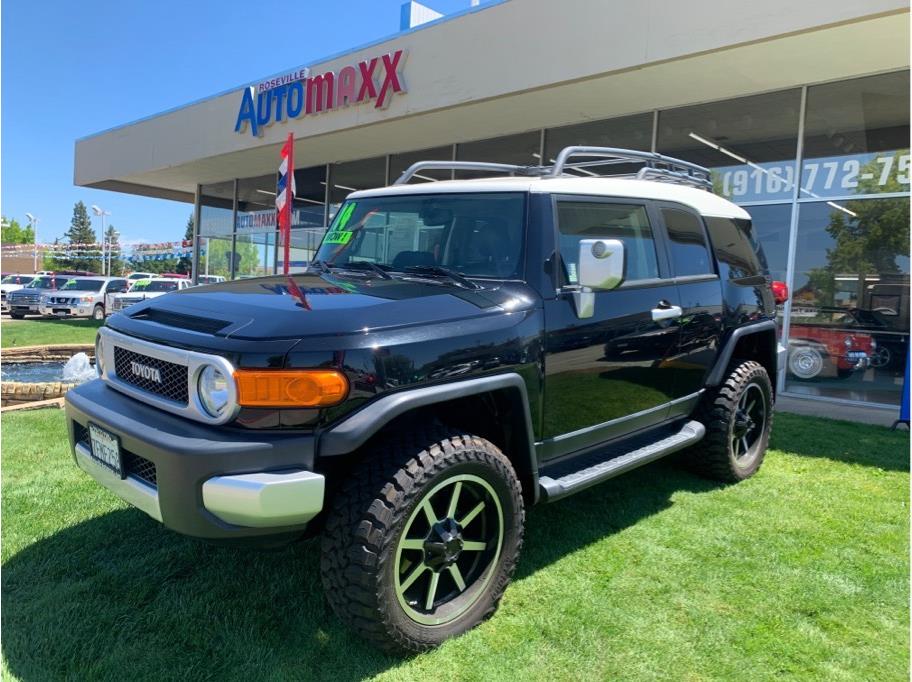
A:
141	495
265	499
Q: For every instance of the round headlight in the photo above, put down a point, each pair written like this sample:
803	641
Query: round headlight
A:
213	391
99	354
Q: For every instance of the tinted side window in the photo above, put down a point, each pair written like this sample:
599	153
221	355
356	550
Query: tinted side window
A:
689	253
734	247
629	223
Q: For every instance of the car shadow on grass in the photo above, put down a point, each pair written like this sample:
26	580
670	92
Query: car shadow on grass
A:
119	596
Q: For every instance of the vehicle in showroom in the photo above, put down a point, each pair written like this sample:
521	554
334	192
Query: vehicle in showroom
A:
439	367
143	289
11	283
27	300
83	297
823	346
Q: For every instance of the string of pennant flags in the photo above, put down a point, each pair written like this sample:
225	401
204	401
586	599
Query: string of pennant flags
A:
88	251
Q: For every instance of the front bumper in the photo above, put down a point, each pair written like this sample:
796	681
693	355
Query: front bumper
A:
213	482
854	359
54	310
23	309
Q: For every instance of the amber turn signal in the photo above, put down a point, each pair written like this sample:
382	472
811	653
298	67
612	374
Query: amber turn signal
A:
290	388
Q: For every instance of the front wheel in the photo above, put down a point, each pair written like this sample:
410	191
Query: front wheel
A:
98	312
806	362
738	417
422	540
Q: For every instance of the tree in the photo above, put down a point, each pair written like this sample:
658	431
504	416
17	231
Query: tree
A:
867	240
11	232
80	234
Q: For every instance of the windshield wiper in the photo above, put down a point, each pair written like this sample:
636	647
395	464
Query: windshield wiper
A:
365	265
442	272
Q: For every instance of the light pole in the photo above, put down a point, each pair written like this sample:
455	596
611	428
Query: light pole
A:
101	212
33	221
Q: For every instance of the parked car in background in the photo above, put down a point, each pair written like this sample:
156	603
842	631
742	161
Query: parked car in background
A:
210	279
825	346
26	300
83	297
147	288
133	276
891	339
11	283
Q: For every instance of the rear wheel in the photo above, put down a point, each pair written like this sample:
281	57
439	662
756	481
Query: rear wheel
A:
421	542
738	417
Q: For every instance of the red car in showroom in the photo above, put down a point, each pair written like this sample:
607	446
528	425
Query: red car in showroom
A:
822	348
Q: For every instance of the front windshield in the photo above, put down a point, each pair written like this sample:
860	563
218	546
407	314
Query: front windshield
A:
83	285
16	279
41	283
476	235
148	285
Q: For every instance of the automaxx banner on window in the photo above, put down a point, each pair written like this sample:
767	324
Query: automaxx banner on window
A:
299	93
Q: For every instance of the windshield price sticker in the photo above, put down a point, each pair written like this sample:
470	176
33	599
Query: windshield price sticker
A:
337	233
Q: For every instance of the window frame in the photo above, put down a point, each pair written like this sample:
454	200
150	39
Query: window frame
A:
658	234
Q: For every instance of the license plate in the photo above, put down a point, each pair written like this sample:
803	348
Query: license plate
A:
106	449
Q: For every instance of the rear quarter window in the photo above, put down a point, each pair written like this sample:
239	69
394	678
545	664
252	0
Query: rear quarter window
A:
736	248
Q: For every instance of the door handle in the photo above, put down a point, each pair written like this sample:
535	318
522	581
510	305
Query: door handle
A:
666	313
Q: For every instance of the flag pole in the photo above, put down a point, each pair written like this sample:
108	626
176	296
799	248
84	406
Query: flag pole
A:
290	202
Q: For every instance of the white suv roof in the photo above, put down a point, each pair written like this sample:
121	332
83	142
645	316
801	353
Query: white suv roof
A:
700	200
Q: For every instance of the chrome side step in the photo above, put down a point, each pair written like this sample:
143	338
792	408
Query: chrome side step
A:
614	464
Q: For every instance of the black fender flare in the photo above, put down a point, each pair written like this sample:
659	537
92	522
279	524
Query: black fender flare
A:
355	430
717	373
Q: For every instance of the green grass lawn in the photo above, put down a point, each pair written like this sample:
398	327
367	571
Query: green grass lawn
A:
36	332
800	572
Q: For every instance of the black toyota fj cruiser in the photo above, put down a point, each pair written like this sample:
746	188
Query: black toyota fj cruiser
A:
456	351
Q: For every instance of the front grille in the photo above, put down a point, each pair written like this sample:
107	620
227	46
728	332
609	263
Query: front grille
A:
133	464
172	383
121	303
25	299
60	300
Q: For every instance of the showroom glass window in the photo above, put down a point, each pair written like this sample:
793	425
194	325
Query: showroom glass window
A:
216	229
308	219
857	137
849	323
352	176
750	143
255	226
522	149
627	132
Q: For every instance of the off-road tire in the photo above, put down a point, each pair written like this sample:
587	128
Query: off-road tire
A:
714	456
98	312
368	518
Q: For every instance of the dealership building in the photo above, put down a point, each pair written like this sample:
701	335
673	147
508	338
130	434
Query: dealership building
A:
801	110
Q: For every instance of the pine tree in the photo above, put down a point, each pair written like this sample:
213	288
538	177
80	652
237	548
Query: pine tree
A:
81	232
185	263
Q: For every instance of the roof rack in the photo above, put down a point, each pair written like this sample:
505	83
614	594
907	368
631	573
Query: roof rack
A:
657	167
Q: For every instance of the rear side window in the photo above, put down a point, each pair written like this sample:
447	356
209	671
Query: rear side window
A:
629	223
735	247
689	253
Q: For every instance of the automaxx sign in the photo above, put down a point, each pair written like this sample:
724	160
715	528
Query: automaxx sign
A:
300	93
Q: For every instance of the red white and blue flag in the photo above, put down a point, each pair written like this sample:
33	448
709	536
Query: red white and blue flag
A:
285	194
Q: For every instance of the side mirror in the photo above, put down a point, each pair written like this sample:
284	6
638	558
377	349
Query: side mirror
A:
601	267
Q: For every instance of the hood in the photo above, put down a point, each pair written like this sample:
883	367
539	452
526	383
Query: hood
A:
6	288
72	293
294	307
142	294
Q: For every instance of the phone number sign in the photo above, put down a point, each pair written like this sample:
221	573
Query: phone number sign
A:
829	176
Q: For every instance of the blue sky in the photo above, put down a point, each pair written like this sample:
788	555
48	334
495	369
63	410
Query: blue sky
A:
70	69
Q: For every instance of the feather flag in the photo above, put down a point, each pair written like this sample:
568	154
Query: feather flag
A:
285	194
